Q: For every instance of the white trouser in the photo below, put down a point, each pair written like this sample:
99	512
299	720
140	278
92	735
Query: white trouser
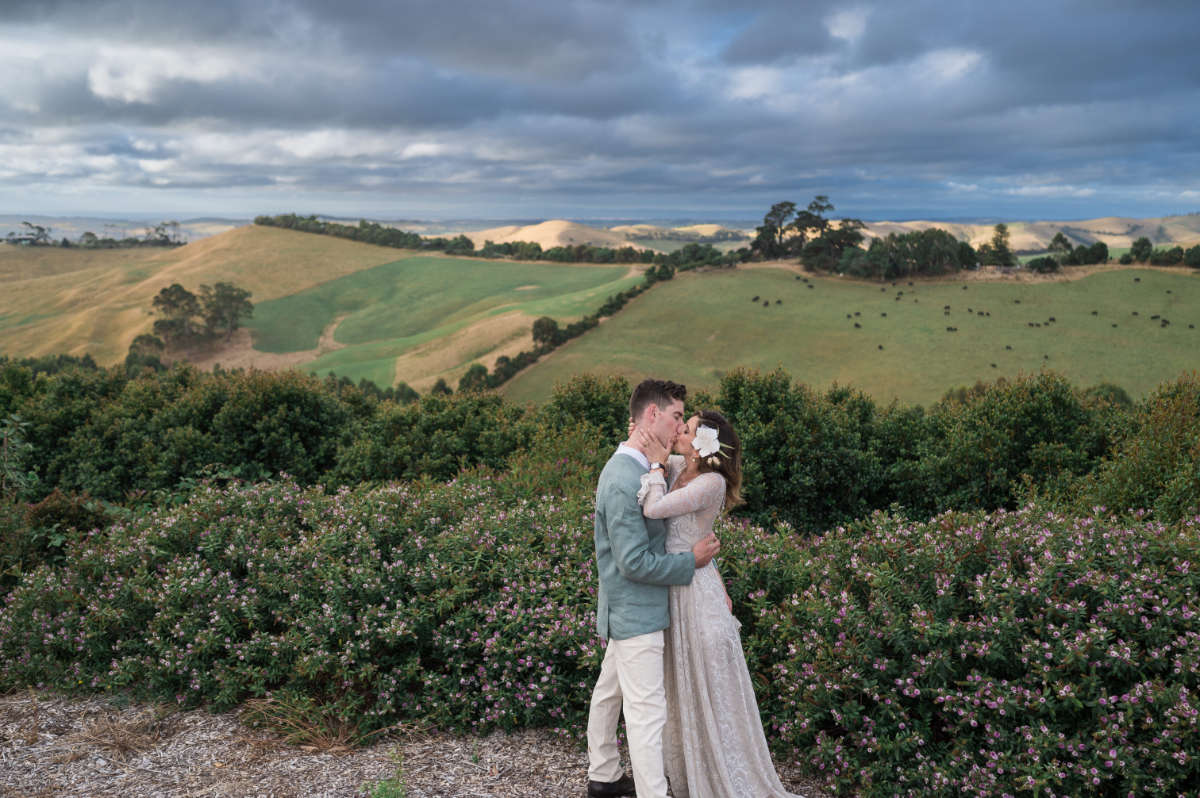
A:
631	678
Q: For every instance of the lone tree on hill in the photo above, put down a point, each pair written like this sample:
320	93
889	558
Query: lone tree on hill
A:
178	307
224	306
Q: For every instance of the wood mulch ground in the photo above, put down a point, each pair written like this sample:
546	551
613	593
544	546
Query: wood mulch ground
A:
51	745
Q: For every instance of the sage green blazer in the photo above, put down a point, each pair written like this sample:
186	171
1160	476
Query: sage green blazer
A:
631	557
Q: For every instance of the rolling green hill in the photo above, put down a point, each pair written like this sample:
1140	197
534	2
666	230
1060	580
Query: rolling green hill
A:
706	324
457	309
327	304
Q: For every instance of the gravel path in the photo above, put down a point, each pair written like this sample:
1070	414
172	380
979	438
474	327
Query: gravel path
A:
58	746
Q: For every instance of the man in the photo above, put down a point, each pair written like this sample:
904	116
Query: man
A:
632	609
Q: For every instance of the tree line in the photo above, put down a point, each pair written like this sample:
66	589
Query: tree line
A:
813	458
163	234
385	236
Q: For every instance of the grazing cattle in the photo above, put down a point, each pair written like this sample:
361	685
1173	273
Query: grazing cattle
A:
1154	317
1191	326
1135	313
778	301
1095	313
1006	346
1137	279
810	285
766	302
1016	301
1047	357
755	298
1053	319
857	313
970	310
951	329
964	288
881	347
1168	290
849	316
993	365
857	326
884	315
945	307
1114	324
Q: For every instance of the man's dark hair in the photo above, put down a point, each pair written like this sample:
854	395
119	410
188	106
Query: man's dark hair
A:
660	392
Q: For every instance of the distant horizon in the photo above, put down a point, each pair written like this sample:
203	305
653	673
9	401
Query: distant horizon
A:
659	219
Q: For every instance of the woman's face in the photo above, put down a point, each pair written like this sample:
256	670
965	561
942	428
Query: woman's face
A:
683	441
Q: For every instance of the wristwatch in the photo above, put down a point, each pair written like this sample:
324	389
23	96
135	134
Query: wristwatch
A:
656	466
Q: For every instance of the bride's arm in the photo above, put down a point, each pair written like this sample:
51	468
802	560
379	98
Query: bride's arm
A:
704	490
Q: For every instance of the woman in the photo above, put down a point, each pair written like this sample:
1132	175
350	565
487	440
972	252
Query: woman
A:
714	744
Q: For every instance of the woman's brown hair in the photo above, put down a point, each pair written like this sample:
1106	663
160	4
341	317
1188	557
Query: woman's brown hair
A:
728	460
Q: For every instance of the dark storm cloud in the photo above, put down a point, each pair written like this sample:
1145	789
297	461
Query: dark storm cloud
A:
661	99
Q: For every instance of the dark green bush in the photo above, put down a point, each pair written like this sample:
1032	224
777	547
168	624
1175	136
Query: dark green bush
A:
986	445
1155	463
436	436
808	459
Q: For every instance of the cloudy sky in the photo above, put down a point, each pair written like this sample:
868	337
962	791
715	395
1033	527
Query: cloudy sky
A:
714	109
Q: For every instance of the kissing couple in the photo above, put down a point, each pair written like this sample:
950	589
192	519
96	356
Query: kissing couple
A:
673	661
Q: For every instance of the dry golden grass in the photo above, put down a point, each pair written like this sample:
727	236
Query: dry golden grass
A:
449	357
553	233
79	301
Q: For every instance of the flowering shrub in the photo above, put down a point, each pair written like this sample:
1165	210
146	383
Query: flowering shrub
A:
407	601
1022	653
1018	653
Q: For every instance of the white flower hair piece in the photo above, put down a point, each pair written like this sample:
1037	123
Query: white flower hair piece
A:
706	442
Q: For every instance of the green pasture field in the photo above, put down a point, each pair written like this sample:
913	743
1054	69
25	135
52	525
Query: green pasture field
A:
389	309
700	325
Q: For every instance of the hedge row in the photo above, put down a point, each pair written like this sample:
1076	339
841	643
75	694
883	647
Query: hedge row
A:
812	460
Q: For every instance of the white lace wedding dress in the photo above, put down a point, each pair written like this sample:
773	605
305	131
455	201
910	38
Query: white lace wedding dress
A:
713	744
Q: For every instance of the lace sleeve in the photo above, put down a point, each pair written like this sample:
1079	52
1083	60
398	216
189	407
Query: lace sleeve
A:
675	465
653	487
703	491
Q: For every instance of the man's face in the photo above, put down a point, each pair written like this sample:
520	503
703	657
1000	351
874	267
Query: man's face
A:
667	423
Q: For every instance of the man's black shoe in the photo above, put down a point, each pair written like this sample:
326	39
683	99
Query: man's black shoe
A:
611	789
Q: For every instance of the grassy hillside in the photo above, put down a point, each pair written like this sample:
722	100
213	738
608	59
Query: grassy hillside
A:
78	301
706	324
442	313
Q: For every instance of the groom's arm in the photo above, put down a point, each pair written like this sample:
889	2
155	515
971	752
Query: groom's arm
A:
631	543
